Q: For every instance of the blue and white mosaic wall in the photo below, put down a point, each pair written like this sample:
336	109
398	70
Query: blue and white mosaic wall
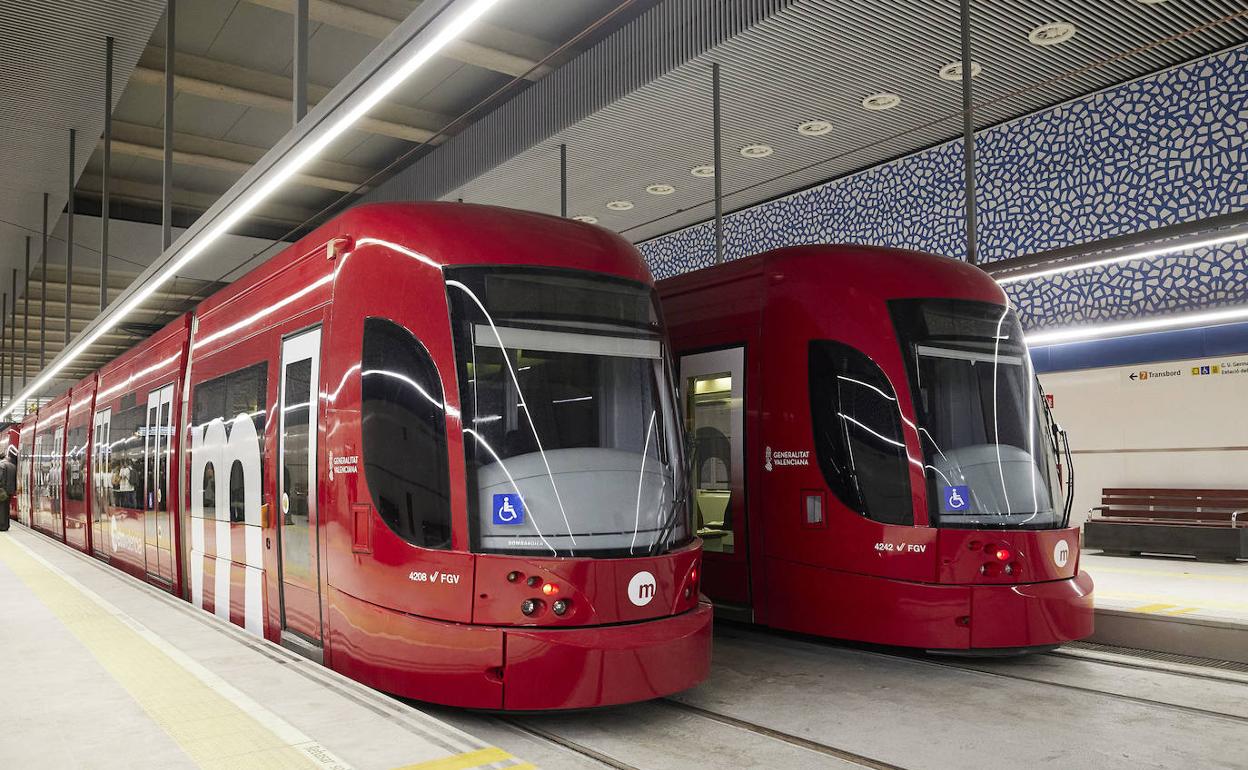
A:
1168	148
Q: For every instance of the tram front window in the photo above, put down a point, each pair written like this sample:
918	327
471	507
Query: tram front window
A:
987	445
570	438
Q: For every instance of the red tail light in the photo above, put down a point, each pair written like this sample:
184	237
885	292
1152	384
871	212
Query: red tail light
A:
550	588
1002	554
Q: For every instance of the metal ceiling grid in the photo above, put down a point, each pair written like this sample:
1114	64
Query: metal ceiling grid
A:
52	57
817	59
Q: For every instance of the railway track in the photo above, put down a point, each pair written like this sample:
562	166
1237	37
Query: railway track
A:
528	726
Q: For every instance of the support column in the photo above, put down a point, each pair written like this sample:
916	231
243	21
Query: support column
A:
69	238
107	170
719	176
26	317
43	292
300	80
166	190
563	181
968	134
13	340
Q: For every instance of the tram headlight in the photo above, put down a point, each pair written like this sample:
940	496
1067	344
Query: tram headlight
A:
513	576
529	607
561	606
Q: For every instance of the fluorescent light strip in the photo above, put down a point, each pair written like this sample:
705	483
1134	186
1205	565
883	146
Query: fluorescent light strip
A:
1132	256
277	178
1135	327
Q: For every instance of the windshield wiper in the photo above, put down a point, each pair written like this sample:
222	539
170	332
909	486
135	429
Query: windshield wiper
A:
665	532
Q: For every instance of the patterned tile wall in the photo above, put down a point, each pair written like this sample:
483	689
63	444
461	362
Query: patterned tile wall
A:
1168	148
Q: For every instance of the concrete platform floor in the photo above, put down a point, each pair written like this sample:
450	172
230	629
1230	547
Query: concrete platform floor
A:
776	701
1170	585
102	671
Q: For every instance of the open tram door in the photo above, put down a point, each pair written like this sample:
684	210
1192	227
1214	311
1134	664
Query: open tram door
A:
712	394
299	553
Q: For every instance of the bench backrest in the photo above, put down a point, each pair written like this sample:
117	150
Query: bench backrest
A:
1180	504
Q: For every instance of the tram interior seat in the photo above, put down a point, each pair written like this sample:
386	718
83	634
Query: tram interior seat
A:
1210	524
712	457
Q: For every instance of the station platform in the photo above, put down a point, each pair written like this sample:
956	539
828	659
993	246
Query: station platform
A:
101	671
1171	604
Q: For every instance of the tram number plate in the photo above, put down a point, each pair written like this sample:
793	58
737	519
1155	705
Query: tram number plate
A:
901	547
448	578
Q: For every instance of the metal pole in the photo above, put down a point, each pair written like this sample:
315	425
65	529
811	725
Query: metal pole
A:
968	133
13	337
563	181
43	292
719	177
108	160
69	237
26	318
5	357
300	99
166	191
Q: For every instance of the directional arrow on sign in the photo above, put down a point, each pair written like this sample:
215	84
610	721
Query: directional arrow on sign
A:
1133	375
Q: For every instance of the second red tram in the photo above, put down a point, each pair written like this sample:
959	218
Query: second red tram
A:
872	458
436	446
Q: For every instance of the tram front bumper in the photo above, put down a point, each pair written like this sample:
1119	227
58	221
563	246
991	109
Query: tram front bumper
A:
1031	614
573	668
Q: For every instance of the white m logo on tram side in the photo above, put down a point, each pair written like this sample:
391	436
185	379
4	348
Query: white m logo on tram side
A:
212	445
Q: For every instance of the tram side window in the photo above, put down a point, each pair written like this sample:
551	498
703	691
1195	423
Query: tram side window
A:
76	463
127	429
404	426
858	438
226	398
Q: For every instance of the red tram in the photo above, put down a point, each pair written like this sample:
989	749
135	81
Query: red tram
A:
871	456
436	446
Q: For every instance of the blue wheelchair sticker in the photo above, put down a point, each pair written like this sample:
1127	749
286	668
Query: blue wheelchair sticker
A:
957	499
508	509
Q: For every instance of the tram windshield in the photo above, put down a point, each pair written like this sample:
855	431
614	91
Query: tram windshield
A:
570	438
988	444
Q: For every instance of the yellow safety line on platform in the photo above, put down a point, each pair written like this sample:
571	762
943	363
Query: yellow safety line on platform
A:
211	730
1167	574
1182	601
469	760
1154	607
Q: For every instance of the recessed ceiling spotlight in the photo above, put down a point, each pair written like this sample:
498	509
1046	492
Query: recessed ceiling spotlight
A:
756	151
704	172
586	218
619	205
953	71
881	101
814	128
1052	33
660	189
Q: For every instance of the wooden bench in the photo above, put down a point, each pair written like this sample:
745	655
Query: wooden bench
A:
1209	524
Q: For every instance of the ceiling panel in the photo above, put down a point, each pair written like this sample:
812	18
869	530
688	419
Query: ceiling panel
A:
52	57
817	60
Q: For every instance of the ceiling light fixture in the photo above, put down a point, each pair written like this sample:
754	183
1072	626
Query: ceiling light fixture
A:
1127	328
301	155
953	71
815	128
703	172
1051	33
586	218
660	189
881	101
756	151
1127	257
619	205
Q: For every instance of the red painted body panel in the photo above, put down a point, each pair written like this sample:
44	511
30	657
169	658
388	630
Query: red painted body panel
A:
602	666
1031	614
440	640
853	577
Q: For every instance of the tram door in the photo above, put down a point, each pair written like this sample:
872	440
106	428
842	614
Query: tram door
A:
712	390
101	480
157	524
297	474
